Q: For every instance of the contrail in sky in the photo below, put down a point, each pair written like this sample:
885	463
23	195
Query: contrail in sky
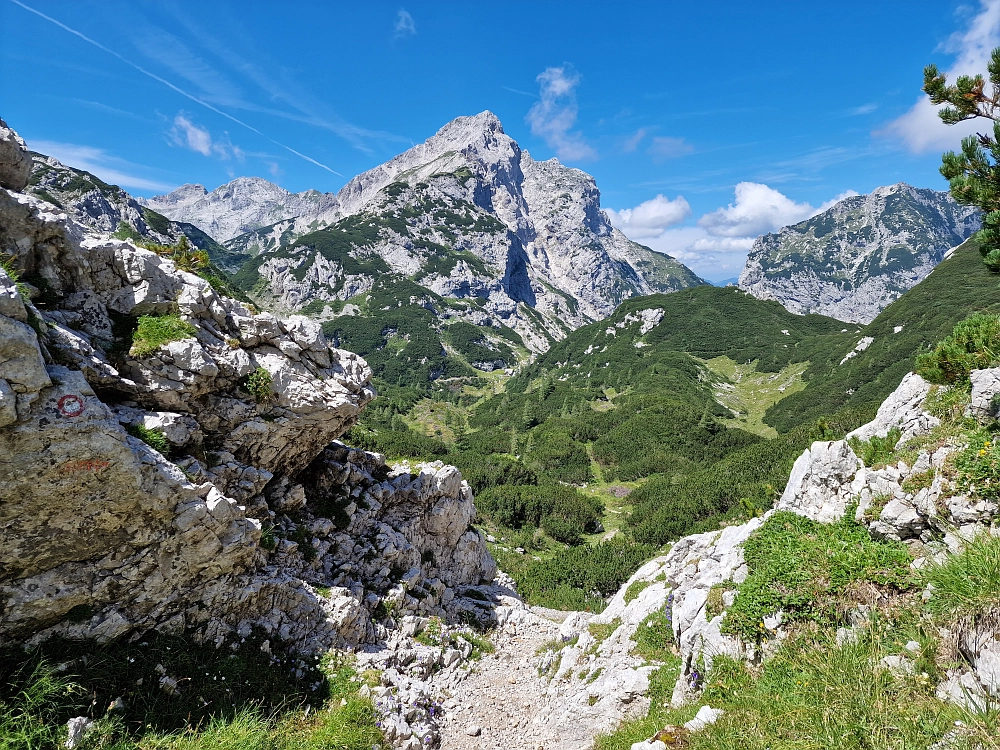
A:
169	85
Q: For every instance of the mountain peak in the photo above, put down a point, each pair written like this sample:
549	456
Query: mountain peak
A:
484	122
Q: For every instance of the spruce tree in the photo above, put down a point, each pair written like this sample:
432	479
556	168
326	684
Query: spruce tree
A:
973	174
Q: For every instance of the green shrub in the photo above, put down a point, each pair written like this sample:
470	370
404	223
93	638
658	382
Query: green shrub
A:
799	566
967	583
878	451
153	331
577	577
974	344
153	438
258	385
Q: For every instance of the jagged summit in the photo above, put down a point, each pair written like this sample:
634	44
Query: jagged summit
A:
852	260
468	215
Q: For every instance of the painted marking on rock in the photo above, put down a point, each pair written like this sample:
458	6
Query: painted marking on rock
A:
92	465
71	405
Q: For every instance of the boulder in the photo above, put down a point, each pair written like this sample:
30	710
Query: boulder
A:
15	160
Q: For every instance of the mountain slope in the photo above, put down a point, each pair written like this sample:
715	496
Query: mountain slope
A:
468	216
852	260
884	350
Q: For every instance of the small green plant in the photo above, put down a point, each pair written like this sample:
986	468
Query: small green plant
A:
634	589
798	566
601	631
947	403
301	536
919	481
153	331
7	264
714	604
153	438
879	450
258	385
874	510
978	466
267	538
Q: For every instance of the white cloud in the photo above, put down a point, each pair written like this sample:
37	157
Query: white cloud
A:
633	141
759	209
651	217
864	109
99	162
553	116
718	246
187	134
920	129
664	147
404	25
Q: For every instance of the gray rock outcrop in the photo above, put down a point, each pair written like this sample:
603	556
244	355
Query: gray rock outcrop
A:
15	160
250	517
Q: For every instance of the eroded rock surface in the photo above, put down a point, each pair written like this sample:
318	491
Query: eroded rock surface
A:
253	518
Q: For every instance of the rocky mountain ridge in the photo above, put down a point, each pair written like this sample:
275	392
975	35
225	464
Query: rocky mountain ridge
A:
540	256
240	206
855	258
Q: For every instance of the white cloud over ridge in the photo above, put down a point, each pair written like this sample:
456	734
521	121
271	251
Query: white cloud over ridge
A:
553	116
718	245
920	129
651	217
759	209
187	134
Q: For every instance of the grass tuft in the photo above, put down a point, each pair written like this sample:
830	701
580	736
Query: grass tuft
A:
967	583
153	331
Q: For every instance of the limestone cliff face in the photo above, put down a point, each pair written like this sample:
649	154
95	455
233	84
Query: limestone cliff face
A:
471	217
852	260
242	511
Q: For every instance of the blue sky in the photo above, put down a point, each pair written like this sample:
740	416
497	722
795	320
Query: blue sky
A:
705	124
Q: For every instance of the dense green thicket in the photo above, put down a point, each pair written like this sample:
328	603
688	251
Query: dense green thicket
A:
742	483
564	513
924	315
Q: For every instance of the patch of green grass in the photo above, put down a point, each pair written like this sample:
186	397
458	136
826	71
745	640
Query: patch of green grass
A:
654	638
799	566
153	438
634	589
978	466
967	583
223	698
153	331
812	695
601	631
749	394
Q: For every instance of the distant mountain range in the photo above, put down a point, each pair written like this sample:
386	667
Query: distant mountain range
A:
852	260
465	226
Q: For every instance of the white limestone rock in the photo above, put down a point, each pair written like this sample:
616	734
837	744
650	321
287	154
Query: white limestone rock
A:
903	409
985	385
820	483
15	160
